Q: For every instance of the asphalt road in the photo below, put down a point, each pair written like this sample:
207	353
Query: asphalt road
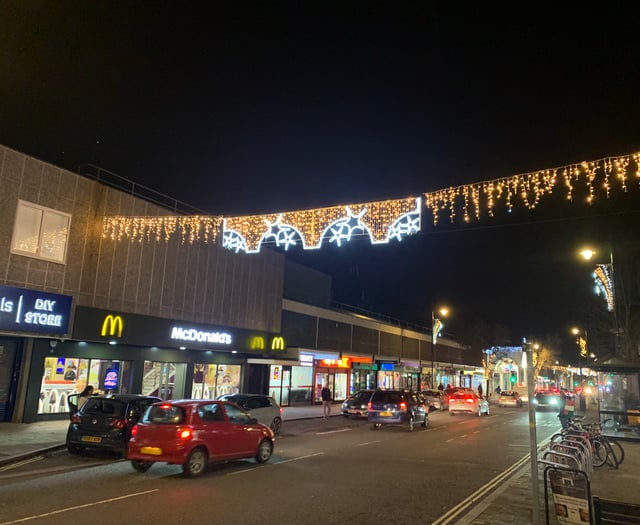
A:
331	472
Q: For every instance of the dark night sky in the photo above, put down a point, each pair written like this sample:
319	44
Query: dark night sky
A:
243	108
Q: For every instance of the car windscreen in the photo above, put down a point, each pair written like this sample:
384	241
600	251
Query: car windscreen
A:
164	414
387	397
104	407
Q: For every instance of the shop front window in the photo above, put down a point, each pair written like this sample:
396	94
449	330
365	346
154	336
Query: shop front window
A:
64	376
211	381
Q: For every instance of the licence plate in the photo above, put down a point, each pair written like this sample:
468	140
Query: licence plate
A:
386	414
152	451
92	439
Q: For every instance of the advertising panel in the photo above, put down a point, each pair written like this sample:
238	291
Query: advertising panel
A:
31	311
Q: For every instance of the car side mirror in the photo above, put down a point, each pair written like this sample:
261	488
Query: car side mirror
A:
253	421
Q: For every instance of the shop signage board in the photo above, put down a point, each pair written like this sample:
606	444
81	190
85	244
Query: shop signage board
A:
32	311
94	324
571	496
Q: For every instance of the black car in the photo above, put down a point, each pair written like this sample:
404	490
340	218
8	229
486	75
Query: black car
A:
357	404
398	407
104	422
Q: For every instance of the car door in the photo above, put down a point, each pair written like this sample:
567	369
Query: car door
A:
215	431
241	433
419	407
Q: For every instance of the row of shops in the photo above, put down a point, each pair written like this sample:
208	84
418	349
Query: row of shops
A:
121	352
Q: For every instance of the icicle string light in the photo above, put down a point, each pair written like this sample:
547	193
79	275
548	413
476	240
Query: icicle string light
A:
382	221
531	187
194	228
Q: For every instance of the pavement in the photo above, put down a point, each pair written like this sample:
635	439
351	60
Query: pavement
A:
511	503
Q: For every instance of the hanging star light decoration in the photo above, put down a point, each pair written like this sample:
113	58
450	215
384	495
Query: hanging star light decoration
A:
382	221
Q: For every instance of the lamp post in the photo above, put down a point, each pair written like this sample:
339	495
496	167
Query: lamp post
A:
582	344
604	277
436	327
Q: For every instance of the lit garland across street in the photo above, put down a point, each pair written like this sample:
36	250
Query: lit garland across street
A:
381	221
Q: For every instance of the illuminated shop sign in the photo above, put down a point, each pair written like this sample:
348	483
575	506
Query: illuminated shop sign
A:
31	311
277	343
306	360
201	336
112	326
387	366
335	363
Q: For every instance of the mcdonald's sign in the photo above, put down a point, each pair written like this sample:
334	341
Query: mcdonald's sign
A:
257	343
277	343
112	326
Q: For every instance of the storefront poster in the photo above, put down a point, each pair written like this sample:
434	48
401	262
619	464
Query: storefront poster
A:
570	497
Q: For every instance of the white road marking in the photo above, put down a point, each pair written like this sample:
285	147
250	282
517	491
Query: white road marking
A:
21	463
333	431
367	443
76	507
288	460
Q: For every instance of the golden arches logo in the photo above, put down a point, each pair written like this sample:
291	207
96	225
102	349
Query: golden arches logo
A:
257	343
277	343
112	325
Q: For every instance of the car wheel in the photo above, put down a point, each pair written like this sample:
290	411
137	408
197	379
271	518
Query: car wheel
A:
76	450
264	451
451	413
412	422
276	425
425	423
195	464
376	426
141	466
345	415
479	412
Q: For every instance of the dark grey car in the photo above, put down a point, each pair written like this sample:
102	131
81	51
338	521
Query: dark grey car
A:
357	405
105	422
398	407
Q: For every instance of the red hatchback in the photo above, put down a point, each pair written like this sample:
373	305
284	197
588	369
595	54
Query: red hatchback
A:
193	433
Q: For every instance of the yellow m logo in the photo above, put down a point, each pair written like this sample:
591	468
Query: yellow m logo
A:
277	343
257	343
112	325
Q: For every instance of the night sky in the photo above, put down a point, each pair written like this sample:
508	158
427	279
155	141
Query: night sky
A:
251	107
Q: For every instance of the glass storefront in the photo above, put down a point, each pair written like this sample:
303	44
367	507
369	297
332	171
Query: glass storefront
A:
211	381
337	382
64	376
362	379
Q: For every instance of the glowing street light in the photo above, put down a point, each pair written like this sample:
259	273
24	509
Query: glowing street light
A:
436	327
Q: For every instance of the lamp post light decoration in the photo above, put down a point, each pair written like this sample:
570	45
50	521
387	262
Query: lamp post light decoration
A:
436	328
604	277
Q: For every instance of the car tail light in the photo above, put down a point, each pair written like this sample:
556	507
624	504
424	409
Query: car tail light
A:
134	431
119	423
75	418
184	433
470	400
403	407
369	406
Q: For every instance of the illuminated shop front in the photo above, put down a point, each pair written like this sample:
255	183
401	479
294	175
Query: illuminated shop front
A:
29	315
120	352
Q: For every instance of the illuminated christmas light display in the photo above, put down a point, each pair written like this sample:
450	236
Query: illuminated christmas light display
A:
381	221
604	284
529	188
191	228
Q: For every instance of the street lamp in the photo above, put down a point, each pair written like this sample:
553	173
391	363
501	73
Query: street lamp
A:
436	327
603	275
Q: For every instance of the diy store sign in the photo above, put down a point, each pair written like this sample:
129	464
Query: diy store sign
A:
24	310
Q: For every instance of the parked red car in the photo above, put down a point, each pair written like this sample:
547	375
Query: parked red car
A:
193	433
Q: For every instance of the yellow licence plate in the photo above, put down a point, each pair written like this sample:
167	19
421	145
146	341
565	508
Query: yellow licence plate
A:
92	439
152	451
386	414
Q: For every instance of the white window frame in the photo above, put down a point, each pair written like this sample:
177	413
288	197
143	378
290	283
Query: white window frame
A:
39	253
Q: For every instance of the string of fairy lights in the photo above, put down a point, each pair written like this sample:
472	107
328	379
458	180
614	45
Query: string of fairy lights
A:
383	221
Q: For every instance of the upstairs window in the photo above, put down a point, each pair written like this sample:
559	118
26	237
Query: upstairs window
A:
40	232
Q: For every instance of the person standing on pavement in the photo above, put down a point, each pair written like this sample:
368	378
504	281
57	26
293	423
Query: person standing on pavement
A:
326	401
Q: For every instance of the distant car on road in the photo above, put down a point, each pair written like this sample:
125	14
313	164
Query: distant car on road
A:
264	408
546	400
193	433
510	398
436	399
398	407
357	405
468	402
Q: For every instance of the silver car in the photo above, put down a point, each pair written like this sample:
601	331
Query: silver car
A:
264	408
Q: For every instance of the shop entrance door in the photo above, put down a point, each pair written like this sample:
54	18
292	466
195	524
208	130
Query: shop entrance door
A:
165	380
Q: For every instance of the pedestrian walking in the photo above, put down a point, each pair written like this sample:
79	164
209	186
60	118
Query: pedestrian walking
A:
326	401
480	389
